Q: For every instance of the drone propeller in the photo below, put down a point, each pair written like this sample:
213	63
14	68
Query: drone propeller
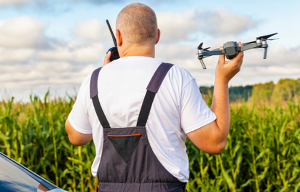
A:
262	37
265	37
204	49
200	46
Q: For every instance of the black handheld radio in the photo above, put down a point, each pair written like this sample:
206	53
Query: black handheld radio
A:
114	50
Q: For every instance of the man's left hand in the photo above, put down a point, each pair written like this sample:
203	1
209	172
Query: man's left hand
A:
107	58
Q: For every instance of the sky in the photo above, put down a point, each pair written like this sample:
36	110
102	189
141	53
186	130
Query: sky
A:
54	44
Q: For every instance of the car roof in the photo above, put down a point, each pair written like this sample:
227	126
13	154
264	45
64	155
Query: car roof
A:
14	173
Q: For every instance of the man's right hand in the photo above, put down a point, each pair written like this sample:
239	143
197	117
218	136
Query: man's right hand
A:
107	58
225	70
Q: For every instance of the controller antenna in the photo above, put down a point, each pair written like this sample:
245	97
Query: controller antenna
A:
112	33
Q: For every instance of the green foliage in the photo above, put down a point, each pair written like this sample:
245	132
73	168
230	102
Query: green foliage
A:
263	92
285	89
262	151
238	93
207	93
206	90
34	135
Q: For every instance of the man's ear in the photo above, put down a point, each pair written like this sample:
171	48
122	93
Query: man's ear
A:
158	36
119	38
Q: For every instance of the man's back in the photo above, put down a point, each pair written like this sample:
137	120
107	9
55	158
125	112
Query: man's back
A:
174	112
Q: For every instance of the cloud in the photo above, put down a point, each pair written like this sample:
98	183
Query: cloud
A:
16	55
77	52
24	2
64	67
96	2
174	51
37	77
21	32
21	41
179	26
100	1
44	74
222	22
14	2
92	30
176	26
24	65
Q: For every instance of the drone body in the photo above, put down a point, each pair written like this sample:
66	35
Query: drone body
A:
231	48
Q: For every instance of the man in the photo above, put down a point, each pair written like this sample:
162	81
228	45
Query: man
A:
139	111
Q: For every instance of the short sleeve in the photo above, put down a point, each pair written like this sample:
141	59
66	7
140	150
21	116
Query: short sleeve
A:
78	117
194	111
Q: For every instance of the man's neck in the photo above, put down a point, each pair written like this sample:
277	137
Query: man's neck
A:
147	51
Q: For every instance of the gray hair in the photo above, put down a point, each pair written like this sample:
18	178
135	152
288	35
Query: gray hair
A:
138	24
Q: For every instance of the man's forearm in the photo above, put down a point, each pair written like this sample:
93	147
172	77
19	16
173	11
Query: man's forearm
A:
212	137
225	70
220	106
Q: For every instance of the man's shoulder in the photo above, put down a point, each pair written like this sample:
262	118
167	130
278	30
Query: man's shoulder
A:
180	70
180	73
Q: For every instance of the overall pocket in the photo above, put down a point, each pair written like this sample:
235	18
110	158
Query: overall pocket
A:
125	144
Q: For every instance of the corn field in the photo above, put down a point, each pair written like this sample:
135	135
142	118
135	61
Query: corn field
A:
262	151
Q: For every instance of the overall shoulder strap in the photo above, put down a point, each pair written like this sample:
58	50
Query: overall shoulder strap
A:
95	99
152	89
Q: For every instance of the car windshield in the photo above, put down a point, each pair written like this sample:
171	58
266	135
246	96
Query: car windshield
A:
13	179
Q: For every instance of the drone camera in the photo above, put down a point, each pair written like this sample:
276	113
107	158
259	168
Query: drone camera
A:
231	49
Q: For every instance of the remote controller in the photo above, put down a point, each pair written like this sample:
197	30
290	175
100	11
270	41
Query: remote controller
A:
114	50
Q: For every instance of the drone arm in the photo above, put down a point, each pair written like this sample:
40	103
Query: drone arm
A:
249	46
213	52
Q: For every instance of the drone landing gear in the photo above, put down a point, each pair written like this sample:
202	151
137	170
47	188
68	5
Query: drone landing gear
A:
265	53
202	63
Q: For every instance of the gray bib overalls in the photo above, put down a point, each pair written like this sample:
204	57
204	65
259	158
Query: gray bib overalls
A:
128	163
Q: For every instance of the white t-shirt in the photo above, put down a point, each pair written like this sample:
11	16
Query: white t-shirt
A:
178	108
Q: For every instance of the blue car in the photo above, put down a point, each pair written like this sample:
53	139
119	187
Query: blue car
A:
14	177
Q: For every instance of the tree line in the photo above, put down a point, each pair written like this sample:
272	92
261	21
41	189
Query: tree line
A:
282	91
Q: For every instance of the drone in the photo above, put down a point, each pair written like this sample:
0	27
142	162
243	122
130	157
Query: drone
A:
231	48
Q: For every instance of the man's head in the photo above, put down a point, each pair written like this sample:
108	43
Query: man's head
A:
137	24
